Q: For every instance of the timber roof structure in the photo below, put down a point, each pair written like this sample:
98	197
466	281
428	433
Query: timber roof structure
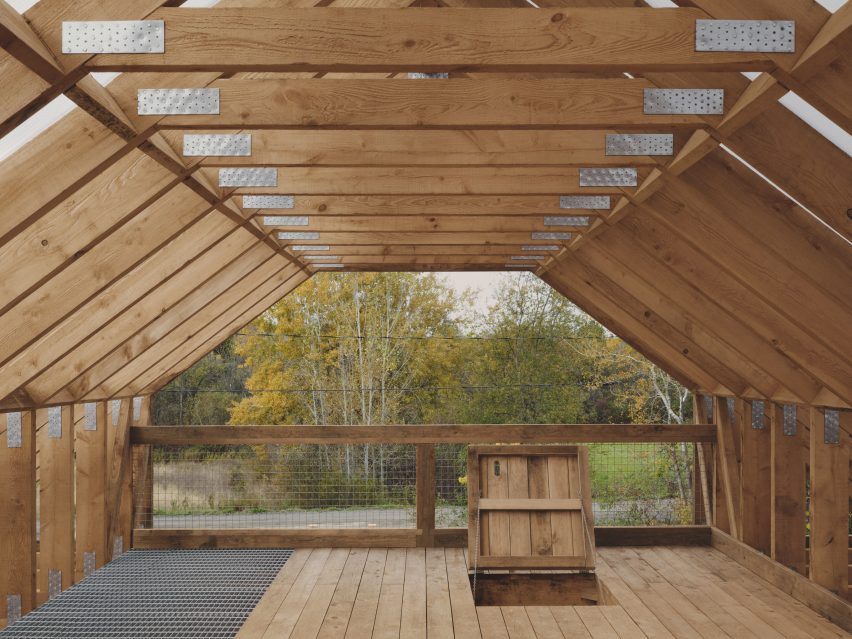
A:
636	159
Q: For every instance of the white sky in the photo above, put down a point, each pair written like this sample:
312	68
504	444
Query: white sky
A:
482	282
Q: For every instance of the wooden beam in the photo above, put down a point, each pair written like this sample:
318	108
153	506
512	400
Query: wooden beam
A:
442	238
756	504
448	104
90	449
119	463
165	538
829	502
425	494
18	513
727	428
788	491
424	224
420	434
143	473
21	42
56	500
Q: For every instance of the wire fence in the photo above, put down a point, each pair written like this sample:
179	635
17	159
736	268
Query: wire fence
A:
373	486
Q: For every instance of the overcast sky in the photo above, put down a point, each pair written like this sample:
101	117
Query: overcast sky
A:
482	282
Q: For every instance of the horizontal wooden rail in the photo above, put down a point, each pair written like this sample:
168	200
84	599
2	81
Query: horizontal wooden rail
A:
422	434
530	504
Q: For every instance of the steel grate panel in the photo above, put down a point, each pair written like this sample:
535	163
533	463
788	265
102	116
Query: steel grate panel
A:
217	144
159	594
620	176
550	235
593	202
114	36
566	220
748	36
177	102
285	220
640	144
265	176
684	101
269	201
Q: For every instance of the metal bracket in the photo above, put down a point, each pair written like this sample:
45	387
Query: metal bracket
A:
831	426
177	101
749	36
640	144
540	247
13	609
265	176
310	247
117	546
54	582
114	36
285	220
758	414
537	258
594	202
217	144
684	102
137	408
608	177
731	405
91	422
549	235
54	422
298	235
428	76
708	407
89	564
115	406
567	220
789	419
269	202
14	433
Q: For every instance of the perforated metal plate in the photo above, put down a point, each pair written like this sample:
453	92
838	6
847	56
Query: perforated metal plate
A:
299	235
91	422
54	422
217	144
318	265
831	425
684	101
428	76
708	407
177	101
137	408
542	247
158	594
309	247
320	257
114	36
54	582
549	235
88	563
115	408
608	177
758	415
268	201
117	546
13	430
285	220
566	220
639	144
537	258
789	420
266	176
594	202
758	36
731	405
525	266
13	608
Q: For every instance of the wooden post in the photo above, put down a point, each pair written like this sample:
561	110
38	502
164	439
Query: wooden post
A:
425	493
56	500
17	514
119	505
90	446
788	488
705	463
829	468
727	423
143	471
756	476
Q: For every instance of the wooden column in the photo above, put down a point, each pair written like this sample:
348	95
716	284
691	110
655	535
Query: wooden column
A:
425	492
756	476
90	447
143	471
17	513
703	507
788	489
727	434
56	500
829	473
119	499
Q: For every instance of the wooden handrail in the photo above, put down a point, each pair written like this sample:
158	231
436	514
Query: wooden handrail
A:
423	434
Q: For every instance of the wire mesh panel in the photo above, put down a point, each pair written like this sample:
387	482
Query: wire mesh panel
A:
159	593
305	486
450	485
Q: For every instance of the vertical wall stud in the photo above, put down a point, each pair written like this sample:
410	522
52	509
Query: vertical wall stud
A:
90	475
756	477
788	489
425	493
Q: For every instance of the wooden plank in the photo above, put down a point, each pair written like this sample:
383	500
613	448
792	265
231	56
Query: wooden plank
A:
518	491
543	623
422	434
439	616
652	536
788	492
56	501
389	612
161	538
829	504
425	494
511	562
541	531
312	615
90	476
363	617
786	580
285	619
340	609
18	38
458	223
491	622
729	467
413	620
18	515
118	464
756	481
483	103
530	504
465	623
495	485
517	622
558	39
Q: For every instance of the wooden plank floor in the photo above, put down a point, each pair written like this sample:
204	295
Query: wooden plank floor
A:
421	593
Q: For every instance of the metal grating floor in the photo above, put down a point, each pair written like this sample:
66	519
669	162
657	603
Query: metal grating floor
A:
159	593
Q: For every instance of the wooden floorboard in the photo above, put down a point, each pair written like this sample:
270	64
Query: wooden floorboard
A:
659	593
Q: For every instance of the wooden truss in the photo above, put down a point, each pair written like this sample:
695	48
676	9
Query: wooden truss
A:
124	261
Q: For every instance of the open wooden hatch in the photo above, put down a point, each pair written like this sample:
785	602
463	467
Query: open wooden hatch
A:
530	507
